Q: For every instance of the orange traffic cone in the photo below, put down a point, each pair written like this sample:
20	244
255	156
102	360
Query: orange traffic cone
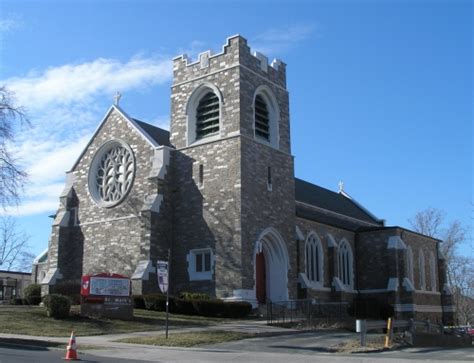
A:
71	349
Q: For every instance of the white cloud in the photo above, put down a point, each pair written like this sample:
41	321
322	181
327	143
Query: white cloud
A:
9	24
58	97
279	40
33	206
75	83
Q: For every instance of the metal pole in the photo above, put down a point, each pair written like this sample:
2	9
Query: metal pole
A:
389	332
168	294
363	333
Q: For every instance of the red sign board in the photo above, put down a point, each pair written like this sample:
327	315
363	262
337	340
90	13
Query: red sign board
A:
105	284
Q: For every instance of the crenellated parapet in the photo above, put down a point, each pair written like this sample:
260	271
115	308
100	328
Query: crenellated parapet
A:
234	53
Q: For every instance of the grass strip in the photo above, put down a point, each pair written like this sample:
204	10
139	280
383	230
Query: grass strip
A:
189	339
32	320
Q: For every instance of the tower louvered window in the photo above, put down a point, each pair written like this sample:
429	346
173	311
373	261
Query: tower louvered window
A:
207	116
262	118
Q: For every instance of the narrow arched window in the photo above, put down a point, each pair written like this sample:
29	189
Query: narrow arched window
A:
207	116
432	272
314	259
409	264
345	263
421	265
262	118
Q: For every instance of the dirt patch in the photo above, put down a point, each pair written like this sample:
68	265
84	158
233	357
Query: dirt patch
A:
374	344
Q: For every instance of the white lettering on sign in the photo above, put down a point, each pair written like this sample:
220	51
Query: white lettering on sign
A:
109	286
162	272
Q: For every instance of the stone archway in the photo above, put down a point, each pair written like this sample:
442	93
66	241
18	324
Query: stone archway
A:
271	267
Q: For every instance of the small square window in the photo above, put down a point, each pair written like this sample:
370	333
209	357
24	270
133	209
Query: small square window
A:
200	264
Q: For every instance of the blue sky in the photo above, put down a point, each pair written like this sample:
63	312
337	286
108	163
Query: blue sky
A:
380	91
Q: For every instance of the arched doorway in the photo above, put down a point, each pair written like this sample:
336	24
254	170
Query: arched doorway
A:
271	267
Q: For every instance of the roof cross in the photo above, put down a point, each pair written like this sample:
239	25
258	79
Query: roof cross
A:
117	97
341	186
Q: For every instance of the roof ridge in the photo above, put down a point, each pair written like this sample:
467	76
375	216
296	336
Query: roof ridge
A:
330	200
316	185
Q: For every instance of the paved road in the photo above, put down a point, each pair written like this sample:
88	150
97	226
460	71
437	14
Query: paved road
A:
302	354
306	347
42	355
311	344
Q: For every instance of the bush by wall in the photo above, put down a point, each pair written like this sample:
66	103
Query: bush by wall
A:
16	301
32	294
370	308
194	296
138	302
201	306
157	302
71	289
57	306
237	309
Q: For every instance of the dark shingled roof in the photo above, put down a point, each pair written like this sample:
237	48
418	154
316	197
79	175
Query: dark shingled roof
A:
326	199
162	137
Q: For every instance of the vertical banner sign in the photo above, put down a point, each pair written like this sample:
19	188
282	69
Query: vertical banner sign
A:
162	272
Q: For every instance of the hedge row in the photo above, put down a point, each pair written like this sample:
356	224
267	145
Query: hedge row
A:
203	307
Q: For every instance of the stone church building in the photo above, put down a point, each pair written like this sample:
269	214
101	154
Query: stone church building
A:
219	191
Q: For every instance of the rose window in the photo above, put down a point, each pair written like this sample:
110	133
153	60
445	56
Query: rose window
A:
112	172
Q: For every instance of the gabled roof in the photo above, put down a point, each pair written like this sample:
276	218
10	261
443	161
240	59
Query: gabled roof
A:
161	136
153	135
328	200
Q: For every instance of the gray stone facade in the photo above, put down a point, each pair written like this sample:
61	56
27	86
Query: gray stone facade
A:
229	209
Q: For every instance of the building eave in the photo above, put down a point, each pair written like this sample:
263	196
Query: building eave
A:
130	120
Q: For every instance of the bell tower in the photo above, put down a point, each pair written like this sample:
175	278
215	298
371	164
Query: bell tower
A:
233	171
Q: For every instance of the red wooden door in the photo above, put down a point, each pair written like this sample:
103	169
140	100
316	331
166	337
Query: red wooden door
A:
260	278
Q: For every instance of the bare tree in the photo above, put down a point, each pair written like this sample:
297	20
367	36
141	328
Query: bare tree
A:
12	177
459	269
14	249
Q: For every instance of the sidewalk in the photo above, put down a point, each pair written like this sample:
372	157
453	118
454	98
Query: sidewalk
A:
259	328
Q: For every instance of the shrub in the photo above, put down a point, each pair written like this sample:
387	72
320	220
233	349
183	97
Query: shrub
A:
237	309
32	294
71	289
16	301
194	296
57	306
184	307
211	308
370	308
157	302
138	302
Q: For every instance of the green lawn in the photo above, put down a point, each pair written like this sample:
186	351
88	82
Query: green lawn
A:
190	339
32	320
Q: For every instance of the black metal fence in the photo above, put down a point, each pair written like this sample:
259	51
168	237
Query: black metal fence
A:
304	311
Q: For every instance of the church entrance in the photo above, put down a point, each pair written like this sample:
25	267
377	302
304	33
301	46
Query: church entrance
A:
271	267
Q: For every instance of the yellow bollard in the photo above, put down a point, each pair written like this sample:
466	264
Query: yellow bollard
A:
389	329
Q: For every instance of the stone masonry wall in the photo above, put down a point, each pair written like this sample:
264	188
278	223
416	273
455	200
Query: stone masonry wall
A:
373	262
207	215
112	236
330	268
262	208
428	245
216	213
